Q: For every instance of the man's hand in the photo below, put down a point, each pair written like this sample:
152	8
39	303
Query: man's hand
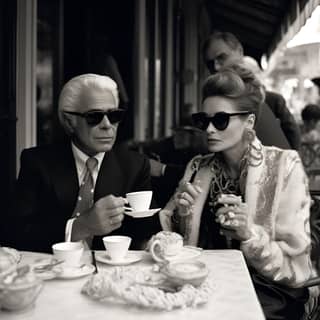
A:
105	216
156	168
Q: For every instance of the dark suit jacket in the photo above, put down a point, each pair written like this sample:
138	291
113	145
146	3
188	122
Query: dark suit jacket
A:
268	129
47	190
287	122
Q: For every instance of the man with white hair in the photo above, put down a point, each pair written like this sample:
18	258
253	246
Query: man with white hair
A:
78	186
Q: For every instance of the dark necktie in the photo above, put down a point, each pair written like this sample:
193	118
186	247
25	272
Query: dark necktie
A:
86	191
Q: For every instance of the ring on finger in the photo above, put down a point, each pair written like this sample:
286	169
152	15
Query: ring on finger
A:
235	223
231	214
185	183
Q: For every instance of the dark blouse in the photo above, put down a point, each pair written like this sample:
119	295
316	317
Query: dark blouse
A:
209	235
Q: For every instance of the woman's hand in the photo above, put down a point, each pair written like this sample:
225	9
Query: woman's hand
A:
186	195
233	217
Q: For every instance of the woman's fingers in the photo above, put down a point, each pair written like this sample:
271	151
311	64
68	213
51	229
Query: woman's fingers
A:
187	194
229	199
193	189
186	198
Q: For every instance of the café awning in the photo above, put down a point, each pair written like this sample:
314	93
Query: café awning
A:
261	25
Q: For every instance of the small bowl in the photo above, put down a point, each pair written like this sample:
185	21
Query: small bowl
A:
11	268
19	295
9	259
14	298
181	273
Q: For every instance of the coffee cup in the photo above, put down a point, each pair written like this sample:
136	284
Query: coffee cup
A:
69	252
165	245
117	247
140	200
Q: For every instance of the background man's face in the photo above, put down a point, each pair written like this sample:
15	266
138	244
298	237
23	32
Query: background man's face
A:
219	55
92	139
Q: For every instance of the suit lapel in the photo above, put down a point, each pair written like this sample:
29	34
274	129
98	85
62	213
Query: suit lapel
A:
110	178
65	179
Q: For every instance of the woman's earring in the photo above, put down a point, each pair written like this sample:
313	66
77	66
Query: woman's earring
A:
250	135
254	152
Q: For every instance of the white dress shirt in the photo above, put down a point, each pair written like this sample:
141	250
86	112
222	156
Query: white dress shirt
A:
81	158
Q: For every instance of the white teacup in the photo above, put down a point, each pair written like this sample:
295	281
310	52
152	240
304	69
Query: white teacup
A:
69	252
116	246
140	200
165	244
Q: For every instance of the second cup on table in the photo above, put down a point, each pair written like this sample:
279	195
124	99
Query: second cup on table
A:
165	244
117	247
140	200
69	252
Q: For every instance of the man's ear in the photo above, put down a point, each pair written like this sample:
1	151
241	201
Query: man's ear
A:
68	123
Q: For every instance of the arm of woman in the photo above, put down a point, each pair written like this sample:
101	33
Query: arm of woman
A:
284	254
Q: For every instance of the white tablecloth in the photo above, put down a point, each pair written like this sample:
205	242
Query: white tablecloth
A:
233	299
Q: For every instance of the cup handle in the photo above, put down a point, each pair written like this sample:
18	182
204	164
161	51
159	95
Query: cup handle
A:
155	256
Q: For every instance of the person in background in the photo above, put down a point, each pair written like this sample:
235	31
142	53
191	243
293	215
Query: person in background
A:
78	186
310	115
244	195
277	104
222	49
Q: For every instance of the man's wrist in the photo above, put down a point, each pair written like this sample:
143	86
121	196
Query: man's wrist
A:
79	230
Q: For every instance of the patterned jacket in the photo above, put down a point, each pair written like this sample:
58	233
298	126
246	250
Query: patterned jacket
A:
278	200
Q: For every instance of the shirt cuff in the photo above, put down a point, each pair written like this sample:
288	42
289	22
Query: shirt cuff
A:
68	229
163	169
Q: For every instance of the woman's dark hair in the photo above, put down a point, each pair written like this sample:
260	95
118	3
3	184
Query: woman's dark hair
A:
310	112
237	83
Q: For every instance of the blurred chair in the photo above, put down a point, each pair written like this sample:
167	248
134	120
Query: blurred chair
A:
314	179
308	154
314	304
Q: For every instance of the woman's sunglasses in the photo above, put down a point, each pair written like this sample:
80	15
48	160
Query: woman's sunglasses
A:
220	120
93	118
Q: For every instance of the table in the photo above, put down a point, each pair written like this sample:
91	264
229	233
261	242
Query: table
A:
234	299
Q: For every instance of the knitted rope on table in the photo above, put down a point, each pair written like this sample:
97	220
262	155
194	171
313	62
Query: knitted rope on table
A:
134	286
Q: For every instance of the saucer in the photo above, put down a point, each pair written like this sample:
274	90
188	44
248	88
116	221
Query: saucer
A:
74	272
50	273
187	253
131	257
142	214
186	272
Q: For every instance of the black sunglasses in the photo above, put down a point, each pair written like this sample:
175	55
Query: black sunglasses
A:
220	120
93	118
210	64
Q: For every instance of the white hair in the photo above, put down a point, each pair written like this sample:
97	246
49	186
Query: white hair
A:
78	87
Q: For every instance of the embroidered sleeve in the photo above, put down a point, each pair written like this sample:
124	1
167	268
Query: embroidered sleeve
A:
284	253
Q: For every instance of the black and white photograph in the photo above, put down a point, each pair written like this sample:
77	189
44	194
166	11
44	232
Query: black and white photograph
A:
160	159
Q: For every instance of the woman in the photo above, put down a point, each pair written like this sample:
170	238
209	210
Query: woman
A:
247	196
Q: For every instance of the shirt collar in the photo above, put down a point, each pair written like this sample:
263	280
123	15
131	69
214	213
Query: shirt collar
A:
81	157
